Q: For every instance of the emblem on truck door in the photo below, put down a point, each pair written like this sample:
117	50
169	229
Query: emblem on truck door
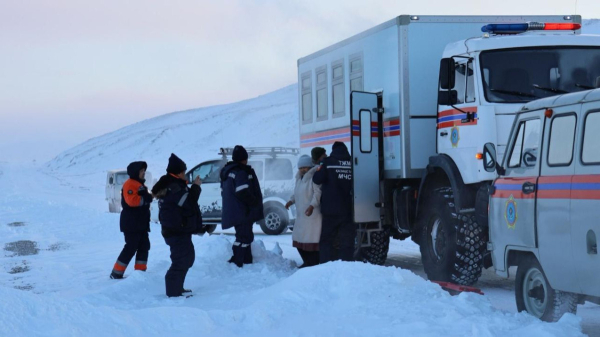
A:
454	136
511	212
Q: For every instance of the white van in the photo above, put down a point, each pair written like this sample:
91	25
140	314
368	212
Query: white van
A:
275	168
114	184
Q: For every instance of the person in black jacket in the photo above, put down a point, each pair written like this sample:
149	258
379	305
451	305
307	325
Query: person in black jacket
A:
242	204
135	220
180	217
335	177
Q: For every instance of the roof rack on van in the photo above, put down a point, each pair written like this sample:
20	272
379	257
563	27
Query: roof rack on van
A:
271	151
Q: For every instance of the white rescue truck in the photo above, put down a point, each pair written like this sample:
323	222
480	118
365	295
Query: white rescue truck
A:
545	204
416	98
114	184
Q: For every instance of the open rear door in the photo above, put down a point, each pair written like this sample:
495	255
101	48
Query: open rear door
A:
365	156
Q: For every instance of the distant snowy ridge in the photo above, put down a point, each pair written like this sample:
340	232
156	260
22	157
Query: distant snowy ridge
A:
196	135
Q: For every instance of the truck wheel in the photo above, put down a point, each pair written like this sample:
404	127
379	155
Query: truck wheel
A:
112	208
535	295
377	253
452	245
275	221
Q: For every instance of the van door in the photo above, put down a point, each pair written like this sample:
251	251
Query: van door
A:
210	201
365	156
512	206
585	201
554	199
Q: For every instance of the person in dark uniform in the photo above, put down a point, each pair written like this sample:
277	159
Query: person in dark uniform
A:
242	204
135	220
335	177
180	217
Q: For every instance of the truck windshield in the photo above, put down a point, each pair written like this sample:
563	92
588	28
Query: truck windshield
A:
525	74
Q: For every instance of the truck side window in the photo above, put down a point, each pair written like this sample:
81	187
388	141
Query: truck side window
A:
470	85
356	73
322	105
465	83
590	153
562	139
365	131
337	88
122	178
306	92
278	169
524	152
258	167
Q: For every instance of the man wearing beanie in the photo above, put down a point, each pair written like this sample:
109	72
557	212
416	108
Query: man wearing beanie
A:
318	154
242	204
180	217
335	177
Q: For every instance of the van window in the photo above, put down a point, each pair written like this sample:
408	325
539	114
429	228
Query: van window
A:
306	93
524	152
209	172
590	153
356	73
562	139
122	178
337	88
278	169
322	106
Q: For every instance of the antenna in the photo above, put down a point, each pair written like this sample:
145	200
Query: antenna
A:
575	6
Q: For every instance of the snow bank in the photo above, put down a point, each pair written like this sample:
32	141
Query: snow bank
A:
268	298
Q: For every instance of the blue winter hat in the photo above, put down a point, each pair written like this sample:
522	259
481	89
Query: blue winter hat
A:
239	154
305	161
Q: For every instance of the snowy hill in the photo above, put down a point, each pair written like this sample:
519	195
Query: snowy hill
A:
194	135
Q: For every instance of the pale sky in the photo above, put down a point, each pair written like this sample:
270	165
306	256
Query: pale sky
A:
73	70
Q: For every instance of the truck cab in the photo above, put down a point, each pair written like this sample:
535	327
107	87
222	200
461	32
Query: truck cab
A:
114	184
275	168
545	205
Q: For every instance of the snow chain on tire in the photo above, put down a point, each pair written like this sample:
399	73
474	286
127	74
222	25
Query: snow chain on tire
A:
380	245
470	239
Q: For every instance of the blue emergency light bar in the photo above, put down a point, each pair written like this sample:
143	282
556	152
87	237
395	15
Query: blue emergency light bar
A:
516	28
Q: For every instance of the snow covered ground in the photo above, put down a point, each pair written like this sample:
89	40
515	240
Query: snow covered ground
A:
60	243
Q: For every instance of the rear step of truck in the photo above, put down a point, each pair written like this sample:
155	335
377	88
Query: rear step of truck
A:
455	289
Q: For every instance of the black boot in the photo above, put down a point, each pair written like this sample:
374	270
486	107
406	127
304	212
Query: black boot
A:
238	255
248	254
115	276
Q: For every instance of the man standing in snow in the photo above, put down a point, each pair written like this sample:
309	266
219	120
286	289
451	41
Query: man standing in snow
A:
180	217
135	220
335	177
242	204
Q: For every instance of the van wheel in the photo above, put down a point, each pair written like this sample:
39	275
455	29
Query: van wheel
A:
452	246
275	221
378	251
535	295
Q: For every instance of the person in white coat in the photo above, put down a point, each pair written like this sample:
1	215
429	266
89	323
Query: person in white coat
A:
307	197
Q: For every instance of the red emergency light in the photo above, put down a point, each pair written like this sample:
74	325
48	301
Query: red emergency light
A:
516	28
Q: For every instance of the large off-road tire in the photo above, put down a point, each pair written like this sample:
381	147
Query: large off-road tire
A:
377	252
275	221
535	295
452	245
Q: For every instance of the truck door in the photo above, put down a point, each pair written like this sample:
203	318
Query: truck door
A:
365	156
512	206
585	200
554	199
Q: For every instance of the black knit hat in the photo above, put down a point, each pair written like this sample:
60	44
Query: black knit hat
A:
176	165
316	153
239	154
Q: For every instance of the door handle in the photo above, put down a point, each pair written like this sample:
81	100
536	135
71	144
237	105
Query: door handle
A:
528	188
443	133
355	160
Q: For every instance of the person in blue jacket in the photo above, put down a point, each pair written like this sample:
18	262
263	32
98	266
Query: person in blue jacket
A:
242	204
335	177
180	217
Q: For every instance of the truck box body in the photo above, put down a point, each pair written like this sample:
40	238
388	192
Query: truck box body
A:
399	58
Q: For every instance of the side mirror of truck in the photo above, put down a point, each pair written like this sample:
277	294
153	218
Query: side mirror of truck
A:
447	73
449	97
490	161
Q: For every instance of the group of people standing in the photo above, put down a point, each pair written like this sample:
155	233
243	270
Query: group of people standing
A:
323	230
